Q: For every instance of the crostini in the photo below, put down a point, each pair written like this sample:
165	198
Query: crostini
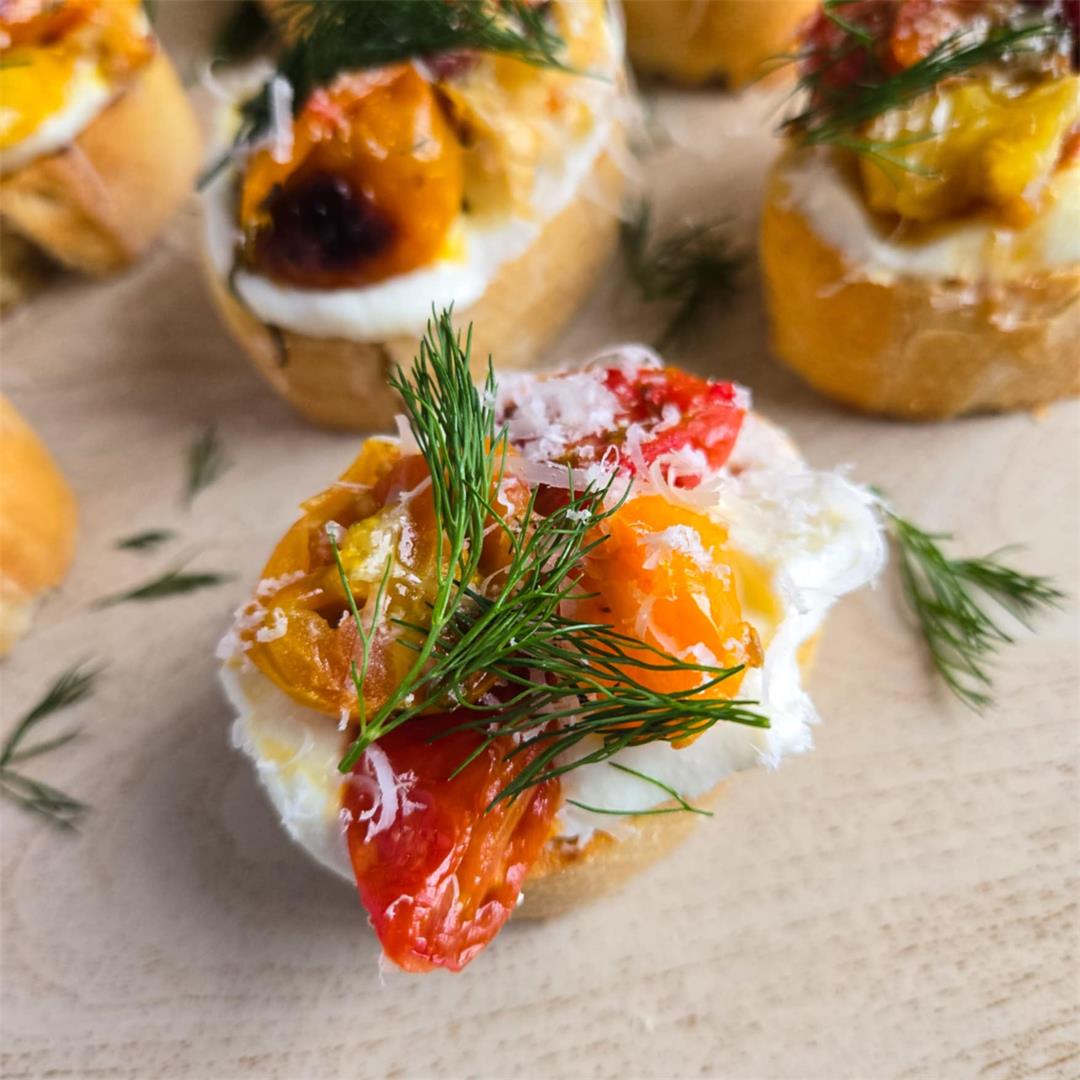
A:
732	42
98	145
502	659
921	234
37	524
467	154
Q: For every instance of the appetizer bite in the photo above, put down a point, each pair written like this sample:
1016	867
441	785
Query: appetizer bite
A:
921	235
409	153
98	145
37	524
732	42
511	655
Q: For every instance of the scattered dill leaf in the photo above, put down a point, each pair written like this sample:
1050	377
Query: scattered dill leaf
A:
245	29
59	809
206	462
171	583
149	540
691	268
953	601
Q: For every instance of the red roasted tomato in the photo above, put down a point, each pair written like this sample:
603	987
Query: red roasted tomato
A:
438	875
673	411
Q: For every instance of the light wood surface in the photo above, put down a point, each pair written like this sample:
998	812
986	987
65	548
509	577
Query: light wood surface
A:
900	903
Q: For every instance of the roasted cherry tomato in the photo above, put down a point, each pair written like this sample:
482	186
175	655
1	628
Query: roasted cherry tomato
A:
370	188
301	635
664	575
438	871
670	411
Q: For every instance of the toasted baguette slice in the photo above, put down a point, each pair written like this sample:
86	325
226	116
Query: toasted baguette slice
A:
37	524
914	347
567	875
702	41
96	205
342	384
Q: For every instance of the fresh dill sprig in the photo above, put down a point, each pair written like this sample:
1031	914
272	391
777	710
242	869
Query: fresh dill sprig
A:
149	540
334	36
835	115
245	29
171	583
692	267
566	680
681	807
206	462
453	424
57	808
953	599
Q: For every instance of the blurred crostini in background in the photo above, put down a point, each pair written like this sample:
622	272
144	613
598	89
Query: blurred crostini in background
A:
921	235
728	42
332	230
98	144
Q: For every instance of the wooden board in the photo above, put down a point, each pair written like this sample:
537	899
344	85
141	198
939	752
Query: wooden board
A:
900	903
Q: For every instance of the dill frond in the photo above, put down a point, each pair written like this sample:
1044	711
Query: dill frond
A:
953	601
689	269
149	540
59	809
206	462
171	583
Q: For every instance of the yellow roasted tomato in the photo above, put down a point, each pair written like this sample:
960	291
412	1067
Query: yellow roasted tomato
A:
299	631
969	144
666	576
370	188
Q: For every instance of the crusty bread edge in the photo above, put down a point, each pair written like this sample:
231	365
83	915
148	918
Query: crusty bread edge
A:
97	204
693	42
913	347
38	517
342	384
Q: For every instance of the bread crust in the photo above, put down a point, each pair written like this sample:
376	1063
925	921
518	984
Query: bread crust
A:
96	205
342	384
37	523
701	41
568	874
914	347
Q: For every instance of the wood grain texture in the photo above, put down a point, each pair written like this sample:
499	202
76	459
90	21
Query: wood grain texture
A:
900	903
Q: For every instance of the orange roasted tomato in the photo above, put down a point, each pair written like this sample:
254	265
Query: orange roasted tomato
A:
439	872
299	631
383	517
370	188
666	576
